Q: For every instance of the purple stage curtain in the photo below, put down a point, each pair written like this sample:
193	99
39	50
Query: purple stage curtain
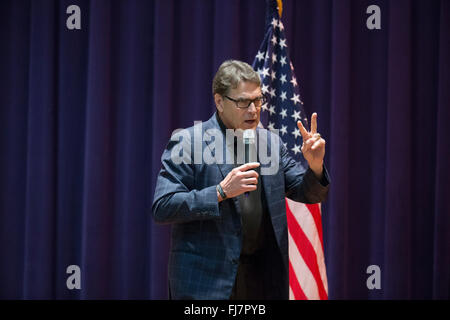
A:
85	115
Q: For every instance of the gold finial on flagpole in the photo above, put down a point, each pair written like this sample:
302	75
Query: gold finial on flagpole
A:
280	7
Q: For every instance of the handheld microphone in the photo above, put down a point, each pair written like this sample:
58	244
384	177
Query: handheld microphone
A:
249	147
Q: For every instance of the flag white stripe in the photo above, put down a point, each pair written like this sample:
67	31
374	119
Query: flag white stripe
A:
304	275
306	222
291	294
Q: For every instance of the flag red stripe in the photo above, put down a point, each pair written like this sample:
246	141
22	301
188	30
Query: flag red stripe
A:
306	250
295	286
315	212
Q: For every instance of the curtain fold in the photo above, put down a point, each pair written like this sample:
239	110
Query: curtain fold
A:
40	182
441	244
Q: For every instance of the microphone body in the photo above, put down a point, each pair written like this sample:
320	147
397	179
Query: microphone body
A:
249	148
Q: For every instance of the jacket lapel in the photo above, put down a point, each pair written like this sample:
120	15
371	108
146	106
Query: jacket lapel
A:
224	164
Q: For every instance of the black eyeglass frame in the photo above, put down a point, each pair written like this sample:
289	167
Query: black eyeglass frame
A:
236	101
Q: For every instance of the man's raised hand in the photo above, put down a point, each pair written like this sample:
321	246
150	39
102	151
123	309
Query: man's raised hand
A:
313	147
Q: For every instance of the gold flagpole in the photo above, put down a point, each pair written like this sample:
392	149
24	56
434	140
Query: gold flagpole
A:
280	7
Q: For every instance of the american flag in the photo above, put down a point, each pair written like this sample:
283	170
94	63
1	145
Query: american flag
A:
307	271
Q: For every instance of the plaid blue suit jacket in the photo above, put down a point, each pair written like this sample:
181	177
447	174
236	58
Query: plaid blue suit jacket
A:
206	235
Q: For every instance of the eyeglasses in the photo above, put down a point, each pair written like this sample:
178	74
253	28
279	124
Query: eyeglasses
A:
245	103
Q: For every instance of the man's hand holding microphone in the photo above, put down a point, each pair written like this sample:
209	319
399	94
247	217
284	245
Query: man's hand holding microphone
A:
240	180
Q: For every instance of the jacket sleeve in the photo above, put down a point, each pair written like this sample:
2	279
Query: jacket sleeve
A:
176	200
302	185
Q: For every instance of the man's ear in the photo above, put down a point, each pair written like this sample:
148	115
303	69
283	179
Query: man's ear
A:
218	101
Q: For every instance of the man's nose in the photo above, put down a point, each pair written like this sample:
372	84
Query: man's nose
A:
252	108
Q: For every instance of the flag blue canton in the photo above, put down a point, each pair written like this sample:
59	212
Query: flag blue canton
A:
284	106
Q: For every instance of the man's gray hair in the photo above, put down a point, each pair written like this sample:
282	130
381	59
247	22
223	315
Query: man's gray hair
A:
231	73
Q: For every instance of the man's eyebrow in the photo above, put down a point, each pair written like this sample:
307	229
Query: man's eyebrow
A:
242	98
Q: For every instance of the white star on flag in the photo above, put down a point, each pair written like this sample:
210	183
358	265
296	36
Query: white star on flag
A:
283	78
280	25
274	22
265	88
274	40
283	129
282	43
296	149
283	61
296	133
260	56
283	96
265	72
293	81
296	115
283	113
296	98
273	75
272	92
272	109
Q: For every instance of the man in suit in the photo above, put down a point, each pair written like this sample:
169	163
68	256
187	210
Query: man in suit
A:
229	227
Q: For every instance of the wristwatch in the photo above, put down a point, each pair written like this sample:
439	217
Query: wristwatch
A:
220	190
